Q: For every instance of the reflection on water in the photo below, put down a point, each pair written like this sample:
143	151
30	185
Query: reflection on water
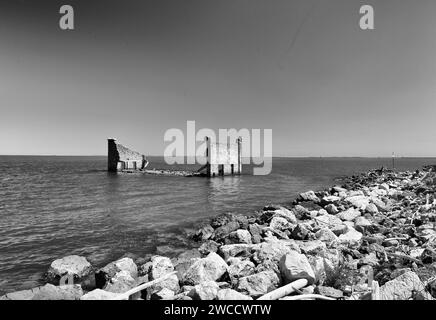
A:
56	206
223	189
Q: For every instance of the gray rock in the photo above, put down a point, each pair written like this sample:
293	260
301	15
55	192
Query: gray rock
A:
208	247
294	266
286	214
75	266
207	290
329	292
327	236
240	236
300	232
187	259
230	294
51	292
163	294
213	267
225	230
371	208
47	292
204	233
256	232
349	215
120	283
312	247
160	267
104	274
273	250
402	288
236	250
329	221
258	284
359	201
308	196
279	223
331	209
239	268
351	236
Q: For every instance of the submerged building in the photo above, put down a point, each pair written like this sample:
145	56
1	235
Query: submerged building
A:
122	158
223	159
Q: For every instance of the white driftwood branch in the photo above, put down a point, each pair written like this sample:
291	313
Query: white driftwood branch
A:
308	296
285	290
127	294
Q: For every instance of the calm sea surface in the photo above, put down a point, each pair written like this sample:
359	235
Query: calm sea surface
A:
51	207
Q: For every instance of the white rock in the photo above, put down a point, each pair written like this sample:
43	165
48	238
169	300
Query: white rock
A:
351	236
279	223
99	294
160	267
359	201
120	283
259	284
73	265
294	266
402	287
230	294
211	268
349	215
309	196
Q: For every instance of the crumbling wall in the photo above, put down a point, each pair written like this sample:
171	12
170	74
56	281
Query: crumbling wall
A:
122	158
223	159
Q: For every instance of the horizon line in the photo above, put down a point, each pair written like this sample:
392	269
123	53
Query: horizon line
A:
99	155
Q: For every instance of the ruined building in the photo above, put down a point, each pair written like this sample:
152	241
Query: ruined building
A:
223	159
122	158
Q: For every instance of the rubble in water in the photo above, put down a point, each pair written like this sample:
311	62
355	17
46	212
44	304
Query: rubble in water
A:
373	237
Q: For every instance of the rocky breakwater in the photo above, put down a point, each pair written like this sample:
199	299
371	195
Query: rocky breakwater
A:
373	237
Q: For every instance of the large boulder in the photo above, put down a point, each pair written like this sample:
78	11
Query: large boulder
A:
103	275
212	267
258	284
403	287
294	266
72	266
160	267
230	294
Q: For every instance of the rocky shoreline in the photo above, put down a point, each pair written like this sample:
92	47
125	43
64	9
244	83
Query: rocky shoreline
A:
372	238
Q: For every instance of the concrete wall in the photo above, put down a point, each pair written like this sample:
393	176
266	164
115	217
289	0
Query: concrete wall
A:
223	159
122	158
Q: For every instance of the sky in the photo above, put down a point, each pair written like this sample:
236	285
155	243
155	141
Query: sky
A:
133	69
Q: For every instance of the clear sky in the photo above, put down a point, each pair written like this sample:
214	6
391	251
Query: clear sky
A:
133	69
